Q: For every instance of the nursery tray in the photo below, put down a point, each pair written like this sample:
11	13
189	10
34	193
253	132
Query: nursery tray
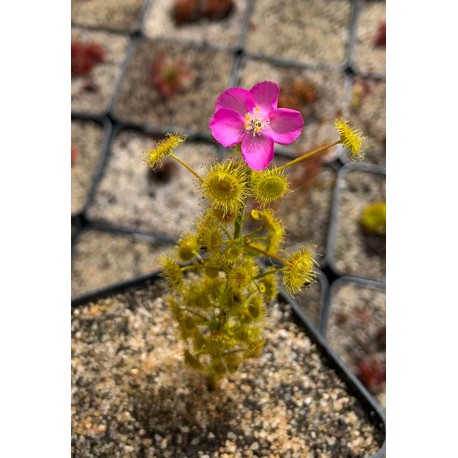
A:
99	156
126	196
312	300
345	64
317	32
113	16
104	255
354	325
93	92
370	57
367	112
365	406
139	99
225	33
379	263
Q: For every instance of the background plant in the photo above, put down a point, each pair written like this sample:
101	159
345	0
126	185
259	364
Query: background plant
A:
85	56
171	75
373	219
190	11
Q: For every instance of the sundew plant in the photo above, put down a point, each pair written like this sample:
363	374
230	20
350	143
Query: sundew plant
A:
220	291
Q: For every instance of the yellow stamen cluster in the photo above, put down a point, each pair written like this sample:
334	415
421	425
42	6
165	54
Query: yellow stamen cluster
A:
165	147
299	269
254	122
351	138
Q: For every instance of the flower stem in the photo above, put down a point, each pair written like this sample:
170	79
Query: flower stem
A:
183	163
309	154
265	253
186	309
254	232
190	267
238	221
226	232
268	272
262	237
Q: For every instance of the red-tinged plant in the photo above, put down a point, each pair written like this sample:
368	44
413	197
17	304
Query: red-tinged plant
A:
85	56
296	93
216	10
171	74
74	154
371	373
189	11
380	37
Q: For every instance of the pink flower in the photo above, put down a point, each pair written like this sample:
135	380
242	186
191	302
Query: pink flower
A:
252	118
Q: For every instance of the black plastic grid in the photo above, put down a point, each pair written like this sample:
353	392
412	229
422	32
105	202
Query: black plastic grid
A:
329	276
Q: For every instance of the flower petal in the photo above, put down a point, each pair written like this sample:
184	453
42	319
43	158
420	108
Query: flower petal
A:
265	95
236	99
227	127
258	151
285	125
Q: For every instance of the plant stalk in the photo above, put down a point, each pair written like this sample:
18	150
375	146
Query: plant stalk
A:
183	163
309	154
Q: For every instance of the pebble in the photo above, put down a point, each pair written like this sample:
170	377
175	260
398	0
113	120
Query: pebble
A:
254	446
124	417
351	418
